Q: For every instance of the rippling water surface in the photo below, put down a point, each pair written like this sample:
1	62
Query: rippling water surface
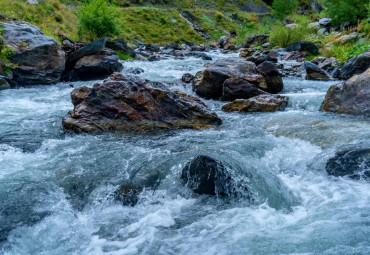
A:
56	190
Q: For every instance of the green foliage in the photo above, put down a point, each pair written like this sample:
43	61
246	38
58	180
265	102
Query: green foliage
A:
52	16
283	8
5	55
347	10
96	19
282	36
123	56
357	49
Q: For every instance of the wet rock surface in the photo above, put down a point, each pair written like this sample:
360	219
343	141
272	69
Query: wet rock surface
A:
351	96
207	176
314	72
261	103
131	105
354	163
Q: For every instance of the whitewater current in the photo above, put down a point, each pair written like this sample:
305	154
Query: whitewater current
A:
57	189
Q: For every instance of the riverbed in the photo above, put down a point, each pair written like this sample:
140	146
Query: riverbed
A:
57	189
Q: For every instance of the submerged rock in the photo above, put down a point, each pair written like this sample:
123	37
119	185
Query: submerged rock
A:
207	176
356	65
261	103
354	163
351	96
39	58
132	105
314	72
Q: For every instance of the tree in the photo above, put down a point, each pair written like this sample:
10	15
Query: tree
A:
97	18
346	10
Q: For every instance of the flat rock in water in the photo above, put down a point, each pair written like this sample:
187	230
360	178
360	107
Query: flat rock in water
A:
261	103
309	47
351	96
131	105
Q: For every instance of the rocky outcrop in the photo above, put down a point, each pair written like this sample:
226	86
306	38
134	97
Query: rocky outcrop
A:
39	58
4	83
273	78
350	97
207	176
354	163
304	46
261	103
356	65
313	72
132	105
210	85
237	88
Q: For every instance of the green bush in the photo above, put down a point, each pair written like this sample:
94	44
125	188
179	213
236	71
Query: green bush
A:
96	19
283	8
346	10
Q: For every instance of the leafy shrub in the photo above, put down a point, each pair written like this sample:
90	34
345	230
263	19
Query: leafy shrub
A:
97	18
283	8
282	36
346	10
357	49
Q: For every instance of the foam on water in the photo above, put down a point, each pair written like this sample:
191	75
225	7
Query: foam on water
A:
57	190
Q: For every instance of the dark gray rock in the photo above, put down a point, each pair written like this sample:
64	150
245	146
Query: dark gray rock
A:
273	78
207	176
152	48
310	47
354	163
313	72
356	65
39	58
89	49
237	88
94	67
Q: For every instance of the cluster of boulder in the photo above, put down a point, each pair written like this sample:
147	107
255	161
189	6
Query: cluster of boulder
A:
250	87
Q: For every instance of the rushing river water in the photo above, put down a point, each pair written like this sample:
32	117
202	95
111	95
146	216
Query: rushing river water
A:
56	189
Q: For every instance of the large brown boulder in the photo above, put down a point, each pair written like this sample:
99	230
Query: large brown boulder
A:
39	58
210	84
351	96
135	106
261	103
237	88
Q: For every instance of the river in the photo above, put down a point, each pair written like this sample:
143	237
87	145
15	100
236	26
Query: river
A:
57	189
